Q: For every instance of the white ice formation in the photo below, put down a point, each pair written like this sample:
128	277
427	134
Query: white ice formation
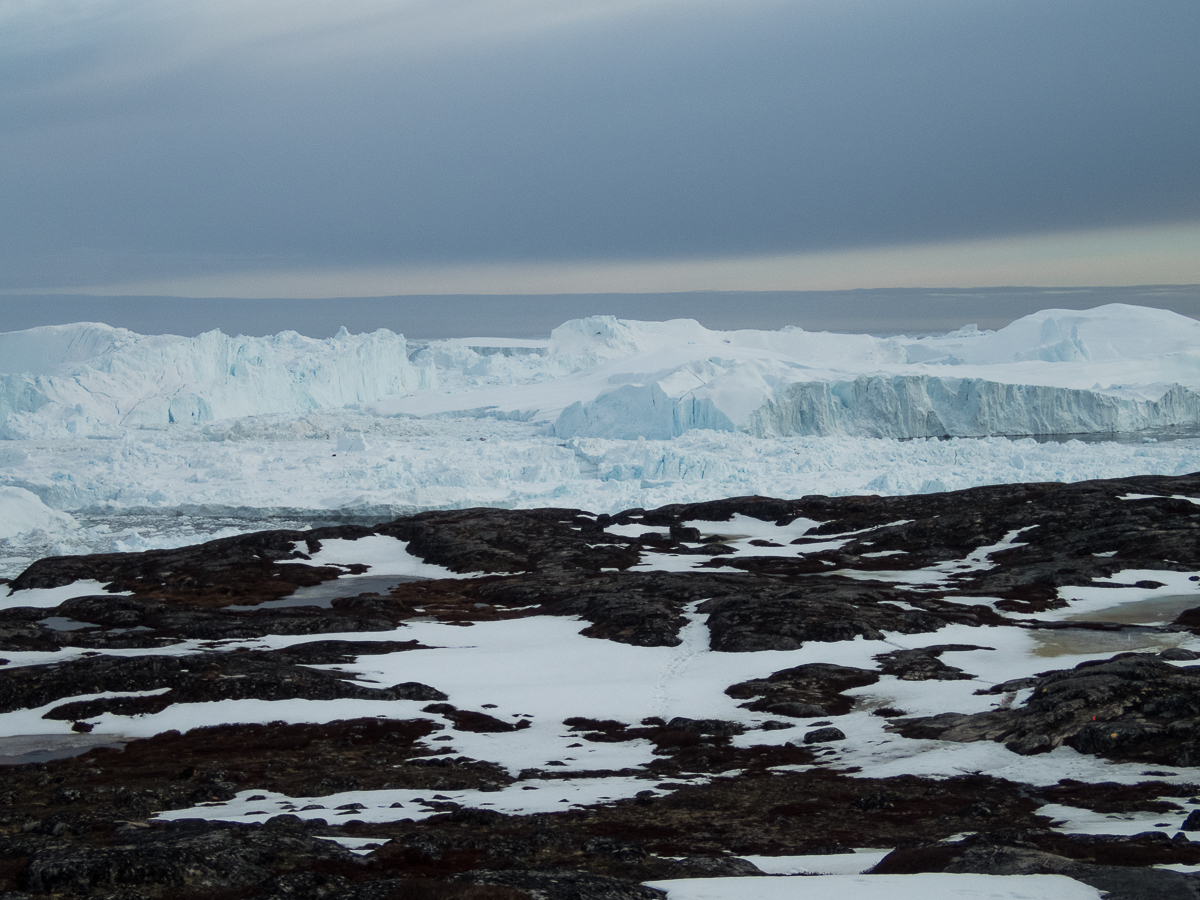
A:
160	440
89	378
1115	368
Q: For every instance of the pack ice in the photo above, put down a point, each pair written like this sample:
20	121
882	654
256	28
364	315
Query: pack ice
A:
1113	368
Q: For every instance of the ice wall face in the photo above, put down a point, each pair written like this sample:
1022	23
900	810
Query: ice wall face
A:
640	411
1114	368
906	406
152	382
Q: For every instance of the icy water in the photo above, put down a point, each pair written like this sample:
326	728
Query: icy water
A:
1085	642
22	749
1155	611
1148	436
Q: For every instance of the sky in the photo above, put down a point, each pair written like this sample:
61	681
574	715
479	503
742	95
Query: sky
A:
293	148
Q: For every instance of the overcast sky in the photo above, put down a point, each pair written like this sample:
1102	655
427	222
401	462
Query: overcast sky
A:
362	147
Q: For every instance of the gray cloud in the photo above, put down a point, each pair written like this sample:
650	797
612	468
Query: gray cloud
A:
259	135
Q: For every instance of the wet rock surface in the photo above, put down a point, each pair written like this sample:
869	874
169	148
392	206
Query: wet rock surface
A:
174	627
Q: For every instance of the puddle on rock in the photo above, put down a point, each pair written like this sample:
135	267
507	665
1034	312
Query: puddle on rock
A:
324	594
23	749
62	623
1152	611
1084	641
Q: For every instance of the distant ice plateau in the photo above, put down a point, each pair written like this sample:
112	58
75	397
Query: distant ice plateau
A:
135	437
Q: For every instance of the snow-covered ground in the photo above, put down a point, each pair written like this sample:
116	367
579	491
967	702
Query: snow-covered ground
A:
544	671
119	441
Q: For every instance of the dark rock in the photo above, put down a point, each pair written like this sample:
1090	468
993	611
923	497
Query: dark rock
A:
215	573
313	653
882	799
198	678
804	692
829	610
706	726
824	735
712	867
1178	654
470	720
206	856
986	856
922	664
562	884
306	886
1192	822
622	851
87	816
1130	707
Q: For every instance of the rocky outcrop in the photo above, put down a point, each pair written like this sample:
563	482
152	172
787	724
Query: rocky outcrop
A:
1119	868
561	884
1130	707
198	678
922	664
809	691
195	857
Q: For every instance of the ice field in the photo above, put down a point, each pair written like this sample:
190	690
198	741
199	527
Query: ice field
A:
111	440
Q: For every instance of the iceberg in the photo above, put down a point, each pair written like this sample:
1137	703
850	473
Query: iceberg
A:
24	512
91	379
637	411
908	406
1116	368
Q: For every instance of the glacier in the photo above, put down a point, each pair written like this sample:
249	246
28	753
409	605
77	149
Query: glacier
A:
111	440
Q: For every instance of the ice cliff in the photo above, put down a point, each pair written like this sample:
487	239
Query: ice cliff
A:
1114	368
89	378
905	406
1117	368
